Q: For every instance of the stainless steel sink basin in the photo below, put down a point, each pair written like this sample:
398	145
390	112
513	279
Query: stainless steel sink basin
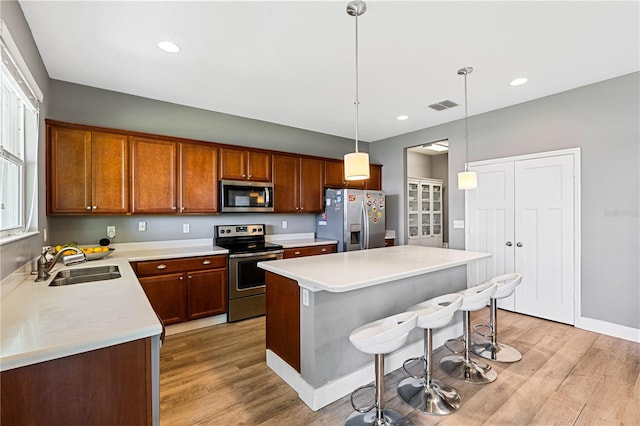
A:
85	275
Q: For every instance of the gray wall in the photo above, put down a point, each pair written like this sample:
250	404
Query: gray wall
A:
418	165
603	120
87	105
16	254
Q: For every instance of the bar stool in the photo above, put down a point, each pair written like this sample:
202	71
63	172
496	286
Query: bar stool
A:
462	367
494	350
379	338
423	393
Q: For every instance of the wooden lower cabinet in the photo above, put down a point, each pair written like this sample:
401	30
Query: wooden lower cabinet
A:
167	294
185	289
109	386
309	251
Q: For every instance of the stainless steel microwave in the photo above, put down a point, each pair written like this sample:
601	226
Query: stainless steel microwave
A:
243	196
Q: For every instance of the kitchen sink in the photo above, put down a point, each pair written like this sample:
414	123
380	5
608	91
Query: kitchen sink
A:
85	275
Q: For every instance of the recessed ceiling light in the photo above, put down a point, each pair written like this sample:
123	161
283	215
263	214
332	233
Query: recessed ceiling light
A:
519	81
167	46
402	117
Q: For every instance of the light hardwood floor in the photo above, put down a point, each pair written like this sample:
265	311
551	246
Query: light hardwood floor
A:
567	376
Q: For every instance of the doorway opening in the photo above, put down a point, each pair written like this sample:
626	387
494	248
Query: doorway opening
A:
426	191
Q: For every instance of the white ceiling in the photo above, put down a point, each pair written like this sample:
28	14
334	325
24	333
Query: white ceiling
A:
293	63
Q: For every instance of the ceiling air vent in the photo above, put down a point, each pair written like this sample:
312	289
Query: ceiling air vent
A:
446	104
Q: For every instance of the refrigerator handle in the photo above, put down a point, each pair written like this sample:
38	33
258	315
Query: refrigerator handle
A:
365	227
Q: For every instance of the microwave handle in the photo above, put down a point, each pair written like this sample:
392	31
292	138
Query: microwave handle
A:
266	196
365	227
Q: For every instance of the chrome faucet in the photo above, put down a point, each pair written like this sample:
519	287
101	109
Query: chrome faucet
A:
44	266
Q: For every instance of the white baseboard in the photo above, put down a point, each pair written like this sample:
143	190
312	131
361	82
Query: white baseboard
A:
316	398
195	324
610	329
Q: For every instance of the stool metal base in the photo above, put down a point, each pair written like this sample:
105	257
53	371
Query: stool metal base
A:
391	418
437	398
469	371
498	352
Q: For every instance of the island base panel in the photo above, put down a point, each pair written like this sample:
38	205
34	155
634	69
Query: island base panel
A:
283	318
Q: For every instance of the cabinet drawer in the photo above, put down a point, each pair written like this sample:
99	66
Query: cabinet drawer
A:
168	266
309	251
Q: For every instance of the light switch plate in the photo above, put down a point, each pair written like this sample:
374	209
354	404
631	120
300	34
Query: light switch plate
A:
142	225
185	228
458	224
305	297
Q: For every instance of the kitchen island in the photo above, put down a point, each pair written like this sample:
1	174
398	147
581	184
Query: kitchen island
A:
313	304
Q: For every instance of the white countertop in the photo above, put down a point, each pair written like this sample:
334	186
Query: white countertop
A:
340	272
41	323
298	240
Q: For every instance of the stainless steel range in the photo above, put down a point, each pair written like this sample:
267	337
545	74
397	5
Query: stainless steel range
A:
247	247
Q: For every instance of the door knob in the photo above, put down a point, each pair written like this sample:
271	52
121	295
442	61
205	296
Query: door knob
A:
518	244
509	243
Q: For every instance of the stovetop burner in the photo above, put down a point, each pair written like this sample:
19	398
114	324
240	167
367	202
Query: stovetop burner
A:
243	238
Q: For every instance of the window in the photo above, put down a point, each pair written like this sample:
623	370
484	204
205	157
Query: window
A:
18	142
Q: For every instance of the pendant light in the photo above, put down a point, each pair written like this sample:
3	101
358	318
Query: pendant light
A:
466	179
356	164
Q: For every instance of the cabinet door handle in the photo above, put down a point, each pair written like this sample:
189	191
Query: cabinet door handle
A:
206	262
324	250
161	266
174	208
181	209
189	276
88	207
243	175
94	207
296	253
301	208
518	244
509	243
181	278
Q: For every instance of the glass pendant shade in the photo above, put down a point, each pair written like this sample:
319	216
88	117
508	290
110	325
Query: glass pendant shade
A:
356	166
467	180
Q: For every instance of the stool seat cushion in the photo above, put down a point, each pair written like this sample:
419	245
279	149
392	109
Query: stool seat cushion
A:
507	284
437	312
385	335
477	297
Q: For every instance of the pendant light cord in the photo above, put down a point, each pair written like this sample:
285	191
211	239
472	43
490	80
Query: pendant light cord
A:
466	127
357	95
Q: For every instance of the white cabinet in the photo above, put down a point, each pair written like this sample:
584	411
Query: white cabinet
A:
424	212
524	213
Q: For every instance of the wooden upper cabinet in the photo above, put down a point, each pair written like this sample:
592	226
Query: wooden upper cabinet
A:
286	184
154	177
375	177
297	184
88	172
311	189
334	177
238	164
198	178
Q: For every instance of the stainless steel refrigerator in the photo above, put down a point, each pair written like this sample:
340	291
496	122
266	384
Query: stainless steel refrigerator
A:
353	217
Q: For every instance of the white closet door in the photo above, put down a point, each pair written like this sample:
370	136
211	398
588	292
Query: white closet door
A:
544	224
490	224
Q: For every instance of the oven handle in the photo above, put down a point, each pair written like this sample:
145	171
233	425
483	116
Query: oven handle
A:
267	254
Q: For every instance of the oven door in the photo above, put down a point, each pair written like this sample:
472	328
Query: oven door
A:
245	277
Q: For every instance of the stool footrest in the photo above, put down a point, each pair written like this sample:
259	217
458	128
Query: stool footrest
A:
488	326
456	340
420	358
353	404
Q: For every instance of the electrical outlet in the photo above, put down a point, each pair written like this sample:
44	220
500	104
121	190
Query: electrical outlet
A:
142	225
45	234
185	228
111	231
285	224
